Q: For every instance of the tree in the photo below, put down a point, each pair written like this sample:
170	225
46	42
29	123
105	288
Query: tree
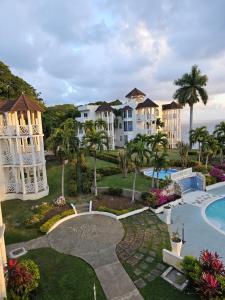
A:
139	154
100	124
219	133
160	161
12	86
210	147
157	142
191	90
183	149
123	161
197	136
96	140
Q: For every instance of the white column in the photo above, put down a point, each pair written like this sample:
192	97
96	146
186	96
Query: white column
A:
29	123
2	282
39	122
23	180
17	123
35	180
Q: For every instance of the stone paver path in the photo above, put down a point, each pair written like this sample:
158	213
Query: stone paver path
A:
94	239
140	250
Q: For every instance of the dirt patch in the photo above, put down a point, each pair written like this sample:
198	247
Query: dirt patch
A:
55	211
114	202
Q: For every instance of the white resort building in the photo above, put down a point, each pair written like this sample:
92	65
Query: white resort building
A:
135	115
22	160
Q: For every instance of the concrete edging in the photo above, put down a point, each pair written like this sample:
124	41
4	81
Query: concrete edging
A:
103	213
215	185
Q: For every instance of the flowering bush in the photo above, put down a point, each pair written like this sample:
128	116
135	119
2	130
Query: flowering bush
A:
162	197
207	274
23	278
217	173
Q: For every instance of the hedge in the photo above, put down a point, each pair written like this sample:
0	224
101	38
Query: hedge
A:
48	224
107	171
106	156
117	212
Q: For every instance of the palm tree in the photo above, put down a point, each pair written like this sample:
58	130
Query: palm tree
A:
183	150
210	148
123	161
160	161
157	142
55	143
197	136
219	133
139	154
191	90
96	140
100	124
88	126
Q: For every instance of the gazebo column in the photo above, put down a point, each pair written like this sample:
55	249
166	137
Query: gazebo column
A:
23	180
35	180
39	122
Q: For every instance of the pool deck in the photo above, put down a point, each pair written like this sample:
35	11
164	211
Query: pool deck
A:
198	234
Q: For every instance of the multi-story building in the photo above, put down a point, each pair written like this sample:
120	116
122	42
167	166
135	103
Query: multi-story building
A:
135	115
22	160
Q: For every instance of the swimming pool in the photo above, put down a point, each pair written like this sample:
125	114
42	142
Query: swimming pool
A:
215	213
162	174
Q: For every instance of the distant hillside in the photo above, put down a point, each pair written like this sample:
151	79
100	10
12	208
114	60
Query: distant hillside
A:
112	103
11	86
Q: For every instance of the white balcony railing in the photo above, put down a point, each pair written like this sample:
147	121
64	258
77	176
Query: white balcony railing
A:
26	158
23	130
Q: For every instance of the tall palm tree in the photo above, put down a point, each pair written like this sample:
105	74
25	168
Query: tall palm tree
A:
197	136
88	126
157	142
100	124
160	161
139	154
123	161
183	150
96	140
191	90
210	147
219	133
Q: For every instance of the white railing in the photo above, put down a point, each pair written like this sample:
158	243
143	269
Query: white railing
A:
27	158
7	158
35	129
38	157
7	130
23	129
11	187
40	183
30	187
181	174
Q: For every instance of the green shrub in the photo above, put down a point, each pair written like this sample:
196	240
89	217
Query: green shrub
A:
72	188
210	180
32	267
192	152
117	211
86	185
41	210
107	171
114	191
191	267
107	156
48	224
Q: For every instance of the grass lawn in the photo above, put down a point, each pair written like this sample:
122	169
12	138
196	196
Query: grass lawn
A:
142	182
100	163
64	277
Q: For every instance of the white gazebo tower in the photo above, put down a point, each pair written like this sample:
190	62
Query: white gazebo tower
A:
22	160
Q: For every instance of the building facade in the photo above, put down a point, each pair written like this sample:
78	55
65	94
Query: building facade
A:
136	115
22	160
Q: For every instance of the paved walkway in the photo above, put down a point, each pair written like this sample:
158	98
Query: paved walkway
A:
94	239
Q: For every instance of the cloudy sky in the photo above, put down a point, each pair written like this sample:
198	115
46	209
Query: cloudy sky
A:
77	51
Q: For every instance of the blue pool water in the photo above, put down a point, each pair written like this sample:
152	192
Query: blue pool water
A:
215	213
162	174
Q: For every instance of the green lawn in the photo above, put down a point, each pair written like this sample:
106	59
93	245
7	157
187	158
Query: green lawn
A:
16	212
100	163
143	183
64	277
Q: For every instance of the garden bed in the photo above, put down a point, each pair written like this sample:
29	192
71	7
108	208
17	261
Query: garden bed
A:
114	204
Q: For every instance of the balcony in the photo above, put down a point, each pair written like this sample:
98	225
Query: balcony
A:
8	159
23	130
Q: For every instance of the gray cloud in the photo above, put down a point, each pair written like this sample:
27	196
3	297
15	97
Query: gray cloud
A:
81	51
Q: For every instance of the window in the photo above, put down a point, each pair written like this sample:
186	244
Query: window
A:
120	125
125	126
130	126
121	138
85	115
124	113
105	114
129	113
80	130
125	139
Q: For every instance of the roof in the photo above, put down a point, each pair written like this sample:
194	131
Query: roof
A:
147	103
127	107
134	93
22	103
104	107
172	105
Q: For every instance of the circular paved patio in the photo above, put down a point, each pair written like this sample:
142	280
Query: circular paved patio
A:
91	237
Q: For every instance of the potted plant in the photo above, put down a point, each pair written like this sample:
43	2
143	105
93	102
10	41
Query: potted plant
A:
176	243
167	211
